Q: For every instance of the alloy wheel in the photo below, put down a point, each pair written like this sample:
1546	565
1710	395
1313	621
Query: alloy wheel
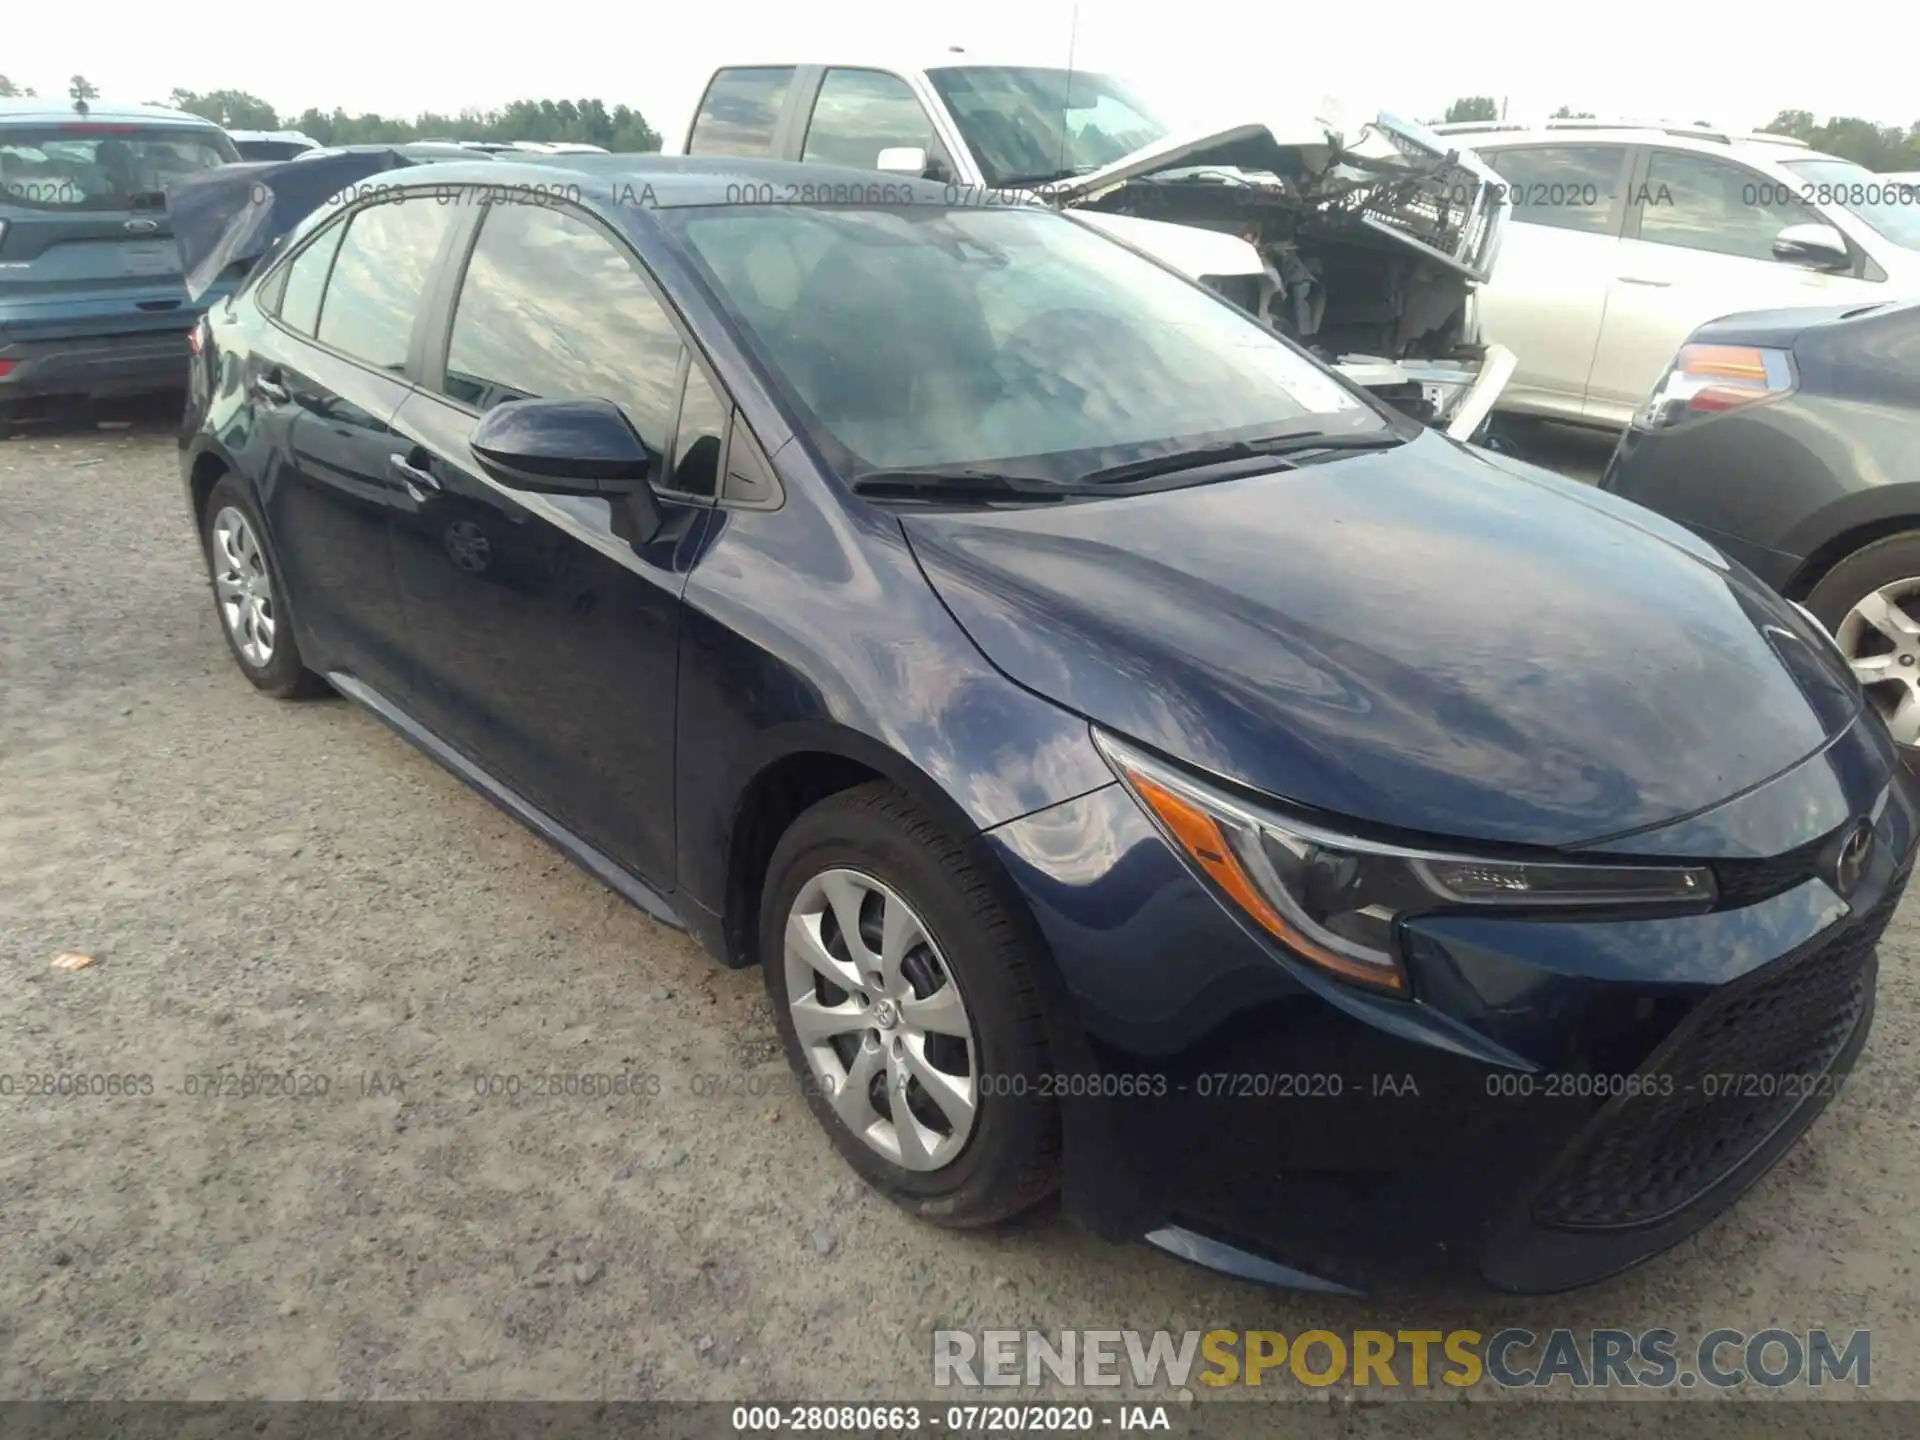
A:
881	1020
242	587
1880	637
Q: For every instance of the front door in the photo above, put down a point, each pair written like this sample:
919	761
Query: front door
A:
1704	249
546	627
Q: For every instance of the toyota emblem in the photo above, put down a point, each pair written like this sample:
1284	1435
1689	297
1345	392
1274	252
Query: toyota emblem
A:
1850	861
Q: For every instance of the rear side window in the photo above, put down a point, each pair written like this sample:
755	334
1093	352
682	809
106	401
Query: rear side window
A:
1564	187
102	166
300	286
381	277
739	111
859	113
552	306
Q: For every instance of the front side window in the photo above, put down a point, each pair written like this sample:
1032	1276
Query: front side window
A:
739	111
700	442
918	337
380	279
1564	187
1030	124
1703	203
1888	203
859	113
552	306
102	166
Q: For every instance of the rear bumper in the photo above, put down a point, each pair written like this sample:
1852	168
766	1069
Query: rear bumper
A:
146	362
1558	1103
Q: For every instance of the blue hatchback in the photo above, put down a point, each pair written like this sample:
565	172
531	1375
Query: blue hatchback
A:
1141	765
91	296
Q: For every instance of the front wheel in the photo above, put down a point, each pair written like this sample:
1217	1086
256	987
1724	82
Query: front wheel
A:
904	990
1870	603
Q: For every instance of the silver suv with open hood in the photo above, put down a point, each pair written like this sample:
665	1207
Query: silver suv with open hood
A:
1364	241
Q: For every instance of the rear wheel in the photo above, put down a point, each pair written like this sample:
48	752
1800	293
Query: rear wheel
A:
904	991
1870	601
247	597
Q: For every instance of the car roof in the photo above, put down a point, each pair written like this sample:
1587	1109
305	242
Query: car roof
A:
904	62
65	112
1492	134
673	181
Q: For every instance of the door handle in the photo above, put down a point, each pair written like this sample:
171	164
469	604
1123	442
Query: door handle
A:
272	391
420	481
1650	284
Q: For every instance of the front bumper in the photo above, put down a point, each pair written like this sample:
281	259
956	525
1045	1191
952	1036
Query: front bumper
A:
144	362
1559	1101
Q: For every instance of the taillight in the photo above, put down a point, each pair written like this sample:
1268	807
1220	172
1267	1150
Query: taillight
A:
1712	379
6	368
194	342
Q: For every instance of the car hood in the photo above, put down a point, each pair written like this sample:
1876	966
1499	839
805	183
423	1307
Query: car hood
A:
1429	639
1387	175
1291	145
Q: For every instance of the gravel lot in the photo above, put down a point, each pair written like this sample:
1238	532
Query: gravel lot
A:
291	887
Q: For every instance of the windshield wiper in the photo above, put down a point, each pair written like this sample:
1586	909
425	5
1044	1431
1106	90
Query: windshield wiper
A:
980	485
1298	442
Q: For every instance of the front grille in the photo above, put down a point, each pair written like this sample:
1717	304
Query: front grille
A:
1738	1066
1745	882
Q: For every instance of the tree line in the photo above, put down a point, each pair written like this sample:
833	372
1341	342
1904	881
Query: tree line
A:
1880	148
583	122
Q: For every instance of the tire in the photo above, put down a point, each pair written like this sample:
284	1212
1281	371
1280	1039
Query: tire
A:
279	671
1891	565
1009	1157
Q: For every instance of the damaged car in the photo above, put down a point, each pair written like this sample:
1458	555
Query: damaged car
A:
1363	241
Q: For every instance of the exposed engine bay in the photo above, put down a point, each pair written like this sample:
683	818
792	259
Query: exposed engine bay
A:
1366	254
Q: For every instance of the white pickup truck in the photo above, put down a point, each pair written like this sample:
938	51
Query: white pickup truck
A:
1364	243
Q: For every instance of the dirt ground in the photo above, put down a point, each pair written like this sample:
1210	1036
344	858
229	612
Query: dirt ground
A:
292	889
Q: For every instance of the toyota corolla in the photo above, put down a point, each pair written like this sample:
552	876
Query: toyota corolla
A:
1141	765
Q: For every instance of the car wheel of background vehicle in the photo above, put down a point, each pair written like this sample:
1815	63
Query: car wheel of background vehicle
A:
245	597
905	993
1870	602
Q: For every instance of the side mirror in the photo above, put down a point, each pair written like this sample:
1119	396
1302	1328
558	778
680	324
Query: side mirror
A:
903	160
1819	247
569	447
562	447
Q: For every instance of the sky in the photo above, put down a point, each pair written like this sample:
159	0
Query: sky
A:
1649	59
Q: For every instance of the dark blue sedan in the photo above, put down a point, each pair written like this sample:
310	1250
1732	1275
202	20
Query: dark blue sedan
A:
1142	766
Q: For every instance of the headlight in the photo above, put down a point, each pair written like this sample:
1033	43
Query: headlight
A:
1335	900
1712	379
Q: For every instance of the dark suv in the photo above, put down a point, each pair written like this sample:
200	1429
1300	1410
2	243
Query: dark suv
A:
91	296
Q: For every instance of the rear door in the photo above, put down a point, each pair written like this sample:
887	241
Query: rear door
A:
745	111
546	627
347	314
1699	245
86	248
1549	285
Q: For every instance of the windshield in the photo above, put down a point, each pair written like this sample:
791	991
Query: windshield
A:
100	167
1027	124
1888	203
1017	341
